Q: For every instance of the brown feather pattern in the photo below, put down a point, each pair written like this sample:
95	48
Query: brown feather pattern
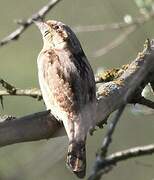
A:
68	88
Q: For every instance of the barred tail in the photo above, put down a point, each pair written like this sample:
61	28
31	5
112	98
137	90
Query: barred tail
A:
76	158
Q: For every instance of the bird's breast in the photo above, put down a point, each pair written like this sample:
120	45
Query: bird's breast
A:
56	84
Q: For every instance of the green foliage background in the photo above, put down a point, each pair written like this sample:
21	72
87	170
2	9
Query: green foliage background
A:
45	160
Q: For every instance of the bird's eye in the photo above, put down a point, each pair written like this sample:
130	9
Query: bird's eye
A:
56	27
46	32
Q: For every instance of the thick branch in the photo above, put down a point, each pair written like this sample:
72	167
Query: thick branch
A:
29	128
111	96
136	83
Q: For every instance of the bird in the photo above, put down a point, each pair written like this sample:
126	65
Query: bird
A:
68	87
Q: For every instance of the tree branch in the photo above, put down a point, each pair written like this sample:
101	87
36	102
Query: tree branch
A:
114	158
114	26
108	137
145	102
111	96
34	93
128	27
11	90
27	23
105	146
29	128
115	43
136	83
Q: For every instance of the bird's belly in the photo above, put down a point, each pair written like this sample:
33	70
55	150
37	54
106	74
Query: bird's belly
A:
58	96
50	99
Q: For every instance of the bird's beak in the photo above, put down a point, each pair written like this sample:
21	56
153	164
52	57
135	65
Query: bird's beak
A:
42	26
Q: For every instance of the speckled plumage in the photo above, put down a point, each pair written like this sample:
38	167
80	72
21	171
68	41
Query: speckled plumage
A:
68	87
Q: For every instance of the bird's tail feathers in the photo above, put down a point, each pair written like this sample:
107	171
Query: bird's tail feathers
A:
76	158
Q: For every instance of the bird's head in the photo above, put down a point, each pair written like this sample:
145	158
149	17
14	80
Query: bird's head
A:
54	33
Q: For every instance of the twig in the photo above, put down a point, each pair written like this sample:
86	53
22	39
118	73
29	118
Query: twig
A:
115	43
129	28
114	26
106	142
108	137
34	93
25	24
145	102
9	88
121	156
